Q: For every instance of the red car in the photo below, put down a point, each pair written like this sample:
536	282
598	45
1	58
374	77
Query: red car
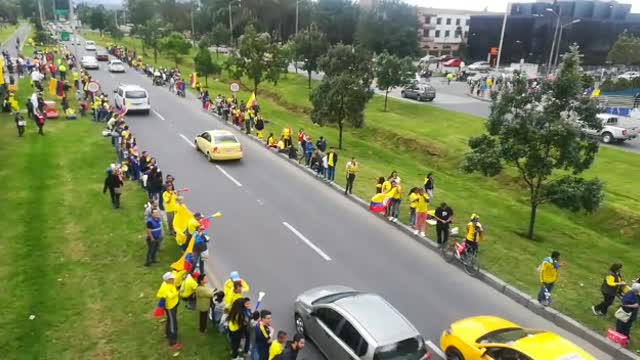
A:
102	56
455	62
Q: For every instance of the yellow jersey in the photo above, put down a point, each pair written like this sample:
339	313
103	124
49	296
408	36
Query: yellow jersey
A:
422	204
474	232
169	293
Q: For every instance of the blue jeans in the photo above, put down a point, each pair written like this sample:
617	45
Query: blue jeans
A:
542	298
331	173
307	158
412	216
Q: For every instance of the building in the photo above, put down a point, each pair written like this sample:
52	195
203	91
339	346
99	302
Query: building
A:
440	31
593	25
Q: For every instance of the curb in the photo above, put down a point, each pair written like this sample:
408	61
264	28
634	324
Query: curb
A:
481	98
561	320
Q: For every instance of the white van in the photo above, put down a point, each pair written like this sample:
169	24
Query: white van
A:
135	97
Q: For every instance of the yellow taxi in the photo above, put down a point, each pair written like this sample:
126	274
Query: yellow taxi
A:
493	338
219	145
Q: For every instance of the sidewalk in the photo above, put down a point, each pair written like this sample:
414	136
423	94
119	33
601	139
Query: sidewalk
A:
481	98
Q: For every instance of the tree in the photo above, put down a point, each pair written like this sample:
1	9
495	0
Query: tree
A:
151	34
338	19
258	58
219	36
98	18
345	90
175	45
309	46
205	66
626	50
392	71
540	134
390	26
140	12
115	32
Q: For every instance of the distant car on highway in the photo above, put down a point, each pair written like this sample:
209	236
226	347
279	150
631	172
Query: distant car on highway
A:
490	337
102	55
347	324
479	66
219	145
134	97
629	75
419	91
116	66
89	62
90	45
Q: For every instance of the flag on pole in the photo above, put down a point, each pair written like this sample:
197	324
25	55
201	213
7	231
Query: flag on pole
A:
252	101
180	222
194	79
184	263
53	86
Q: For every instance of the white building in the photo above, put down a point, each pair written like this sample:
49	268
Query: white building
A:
440	31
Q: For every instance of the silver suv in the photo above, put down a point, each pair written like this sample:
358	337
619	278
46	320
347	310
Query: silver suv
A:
347	325
420	92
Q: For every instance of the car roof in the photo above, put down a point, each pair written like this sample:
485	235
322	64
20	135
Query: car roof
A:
131	87
547	345
472	328
220	132
377	317
88	57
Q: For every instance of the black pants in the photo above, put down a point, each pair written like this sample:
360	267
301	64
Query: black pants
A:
172	325
442	231
604	305
624	328
152	250
236	339
115	199
204	317
20	130
350	179
40	126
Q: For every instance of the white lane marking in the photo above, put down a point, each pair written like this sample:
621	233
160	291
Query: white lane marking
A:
158	115
188	141
228	176
307	241
436	349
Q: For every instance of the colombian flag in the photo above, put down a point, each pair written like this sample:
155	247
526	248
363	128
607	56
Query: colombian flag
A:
159	310
53	86
194	79
252	101
1	71
185	261
379	203
180	221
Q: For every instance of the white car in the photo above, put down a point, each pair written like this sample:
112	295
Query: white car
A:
90	62
479	66
615	129
90	45
629	75
134	97
115	66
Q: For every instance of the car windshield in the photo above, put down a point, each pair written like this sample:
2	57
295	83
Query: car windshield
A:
135	94
90	43
505	336
116	62
334	297
219	139
102	53
88	58
409	349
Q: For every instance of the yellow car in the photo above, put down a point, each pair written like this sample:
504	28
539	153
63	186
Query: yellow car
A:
493	338
219	145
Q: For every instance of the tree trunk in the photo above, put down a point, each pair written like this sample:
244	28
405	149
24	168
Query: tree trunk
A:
206	81
155	56
532	220
255	87
309	72
340	138
386	95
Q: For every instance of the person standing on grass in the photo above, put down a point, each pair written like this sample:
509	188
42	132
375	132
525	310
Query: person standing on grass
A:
239	319
444	218
321	144
630	304
20	124
169	196
548	276
277	347
292	348
154	236
612	285
429	185
413	202
422	206
308	152
263	340
113	183
302	139
204	295
352	170
169	293
332	162
397	199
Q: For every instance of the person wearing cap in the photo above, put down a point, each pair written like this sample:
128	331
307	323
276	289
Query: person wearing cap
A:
154	236
630	305
169	293
234	289
188	289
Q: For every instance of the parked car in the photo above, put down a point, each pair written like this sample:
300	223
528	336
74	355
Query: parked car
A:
90	45
444	58
116	66
455	62
89	62
490	337
615	129
479	66
134	97
419	91
347	324
102	55
629	75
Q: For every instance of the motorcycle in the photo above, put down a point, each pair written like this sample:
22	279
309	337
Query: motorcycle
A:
157	81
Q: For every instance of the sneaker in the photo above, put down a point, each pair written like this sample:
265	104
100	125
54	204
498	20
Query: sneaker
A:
595	312
422	234
415	232
395	220
390	218
176	346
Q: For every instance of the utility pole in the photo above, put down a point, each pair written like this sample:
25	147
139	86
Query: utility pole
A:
297	3
40	13
115	15
230	26
53	2
72	20
504	26
193	28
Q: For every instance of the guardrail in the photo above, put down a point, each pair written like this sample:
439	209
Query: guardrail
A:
616	101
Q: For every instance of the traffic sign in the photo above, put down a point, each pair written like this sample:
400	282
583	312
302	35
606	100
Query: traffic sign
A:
235	87
93	86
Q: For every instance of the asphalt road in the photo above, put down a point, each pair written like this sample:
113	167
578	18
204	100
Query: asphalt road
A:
10	44
286	233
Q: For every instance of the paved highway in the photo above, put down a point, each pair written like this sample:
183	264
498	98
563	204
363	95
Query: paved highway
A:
286	233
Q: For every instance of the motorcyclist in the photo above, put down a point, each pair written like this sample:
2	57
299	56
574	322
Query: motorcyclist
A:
157	77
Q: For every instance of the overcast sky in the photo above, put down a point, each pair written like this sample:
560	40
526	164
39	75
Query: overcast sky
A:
492	5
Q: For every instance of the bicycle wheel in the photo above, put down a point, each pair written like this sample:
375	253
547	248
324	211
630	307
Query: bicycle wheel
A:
448	251
471	264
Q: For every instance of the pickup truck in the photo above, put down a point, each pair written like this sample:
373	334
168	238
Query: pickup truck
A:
615	129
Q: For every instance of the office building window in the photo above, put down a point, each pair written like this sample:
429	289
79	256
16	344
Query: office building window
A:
439	21
466	34
457	21
437	33
425	32
448	21
446	33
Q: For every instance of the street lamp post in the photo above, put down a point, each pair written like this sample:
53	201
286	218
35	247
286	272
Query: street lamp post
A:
297	3
504	26
555	62
555	35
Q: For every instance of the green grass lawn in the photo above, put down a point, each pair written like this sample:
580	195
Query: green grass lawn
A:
415	139
6	30
72	261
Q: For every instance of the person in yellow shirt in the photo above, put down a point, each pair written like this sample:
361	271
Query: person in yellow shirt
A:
422	207
234	288
277	347
475	233
168	293
188	289
548	277
169	197
352	170
413	202
239	320
281	144
396	200
612	285
192	226
271	142
286	135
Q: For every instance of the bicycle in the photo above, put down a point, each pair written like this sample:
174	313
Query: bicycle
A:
451	250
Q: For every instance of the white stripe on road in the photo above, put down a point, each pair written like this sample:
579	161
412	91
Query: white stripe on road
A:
229	176
188	141
307	241
158	115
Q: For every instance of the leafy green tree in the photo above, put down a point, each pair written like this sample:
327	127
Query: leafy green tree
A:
392	71
390	26
205	66
540	134
175	46
220	35
114	31
140	12
626	50
338	19
345	90
309	46
151	34
98	18
257	58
